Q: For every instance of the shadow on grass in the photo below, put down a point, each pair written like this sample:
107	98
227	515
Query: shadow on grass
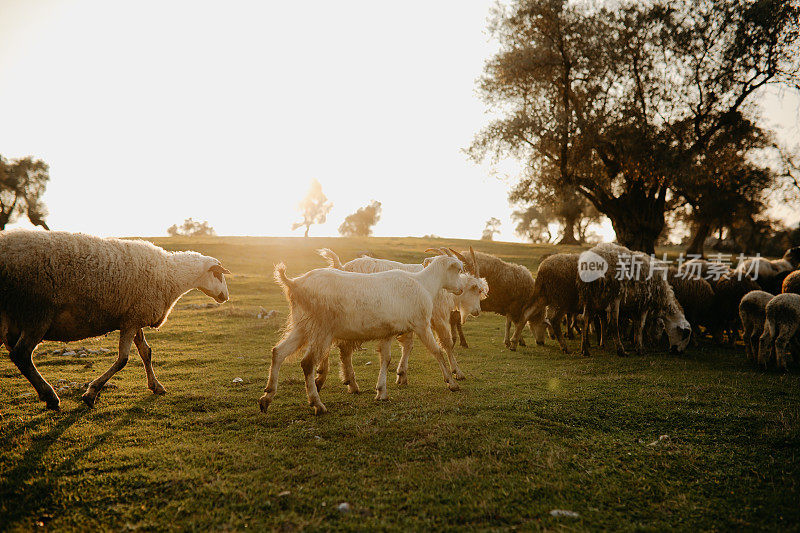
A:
27	490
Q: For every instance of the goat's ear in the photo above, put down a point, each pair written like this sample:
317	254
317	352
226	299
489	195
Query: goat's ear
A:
427	261
219	269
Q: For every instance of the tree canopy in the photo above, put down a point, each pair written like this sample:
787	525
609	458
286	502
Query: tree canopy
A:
22	184
359	224
191	228
314	208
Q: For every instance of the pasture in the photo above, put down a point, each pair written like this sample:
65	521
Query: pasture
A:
529	432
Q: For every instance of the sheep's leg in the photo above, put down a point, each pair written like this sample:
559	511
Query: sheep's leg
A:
782	344
638	333
322	372
346	368
426	336
749	330
587	315
313	356
614	324
507	336
406	344
22	356
281	351
570	334
600	330
555	322
126	337
519	326
443	334
765	346
752	342
385	351
147	358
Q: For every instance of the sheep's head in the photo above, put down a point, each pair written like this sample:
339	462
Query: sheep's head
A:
793	256
678	330
212	280
469	302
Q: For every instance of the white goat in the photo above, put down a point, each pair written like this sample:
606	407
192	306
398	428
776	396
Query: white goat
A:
327	304
468	303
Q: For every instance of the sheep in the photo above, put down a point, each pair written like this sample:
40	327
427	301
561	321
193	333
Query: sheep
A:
752	311
764	268
694	294
468	303
711	271
792	283
649	294
60	286
728	293
510	294
328	303
555	291
780	328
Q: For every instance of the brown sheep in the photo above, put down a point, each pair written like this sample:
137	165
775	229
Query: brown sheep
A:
556	292
729	291
695	296
792	283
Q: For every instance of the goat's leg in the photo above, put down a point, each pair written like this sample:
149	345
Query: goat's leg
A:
126	336
406	345
456	329
346	369
22	356
442	332
290	344
313	356
322	372
385	351
147	358
426	337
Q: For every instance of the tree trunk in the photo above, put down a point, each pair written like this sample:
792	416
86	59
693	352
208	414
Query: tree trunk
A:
696	246
308	226
638	227
569	232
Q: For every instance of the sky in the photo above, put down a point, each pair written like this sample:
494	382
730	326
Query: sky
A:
151	112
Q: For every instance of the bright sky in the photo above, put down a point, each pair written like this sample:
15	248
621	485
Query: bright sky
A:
150	112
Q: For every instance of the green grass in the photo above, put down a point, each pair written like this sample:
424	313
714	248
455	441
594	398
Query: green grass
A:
529	431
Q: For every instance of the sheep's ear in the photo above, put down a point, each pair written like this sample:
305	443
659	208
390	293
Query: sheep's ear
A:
219	269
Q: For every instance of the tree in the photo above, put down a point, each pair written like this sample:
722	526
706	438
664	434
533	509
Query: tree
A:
22	184
359	224
492	227
314	208
622	104
191	228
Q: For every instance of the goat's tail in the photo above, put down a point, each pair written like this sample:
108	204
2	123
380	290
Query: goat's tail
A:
331	258
281	279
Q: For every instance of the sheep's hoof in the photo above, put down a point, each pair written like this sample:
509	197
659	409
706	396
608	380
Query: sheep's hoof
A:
507	343
88	398
464	345
453	386
381	395
263	403
158	389
459	375
320	409
522	342
53	404
402	379
319	383
352	388
512	346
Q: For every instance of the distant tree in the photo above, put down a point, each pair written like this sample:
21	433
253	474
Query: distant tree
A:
360	223
191	228
314	208
492	227
22	184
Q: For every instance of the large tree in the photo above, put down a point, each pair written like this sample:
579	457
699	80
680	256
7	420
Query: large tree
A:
622	104
359	224
314	208
22	184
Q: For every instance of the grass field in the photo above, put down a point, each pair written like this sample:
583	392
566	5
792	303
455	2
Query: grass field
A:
529	432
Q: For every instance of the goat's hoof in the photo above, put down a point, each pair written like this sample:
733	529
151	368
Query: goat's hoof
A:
459	375
402	379
381	395
158	389
88	398
263	403
453	386
353	388
320	409
319	384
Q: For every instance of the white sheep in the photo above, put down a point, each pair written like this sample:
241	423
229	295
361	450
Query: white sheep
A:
468	303
61	286
753	313
327	304
781	328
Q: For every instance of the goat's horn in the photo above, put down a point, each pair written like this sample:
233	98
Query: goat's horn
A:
475	268
460	257
437	251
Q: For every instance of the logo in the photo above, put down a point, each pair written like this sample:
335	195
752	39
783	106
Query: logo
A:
591	266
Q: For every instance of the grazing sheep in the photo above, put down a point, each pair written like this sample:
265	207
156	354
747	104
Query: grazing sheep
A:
695	296
773	284
60	286
792	283
711	271
327	304
510	294
466	304
724	316
752	312
766	268
555	292
780	328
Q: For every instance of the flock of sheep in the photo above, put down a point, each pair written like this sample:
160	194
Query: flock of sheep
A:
60	286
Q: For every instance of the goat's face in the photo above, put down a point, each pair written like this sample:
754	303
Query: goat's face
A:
679	331
212	282
469	302
451	278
